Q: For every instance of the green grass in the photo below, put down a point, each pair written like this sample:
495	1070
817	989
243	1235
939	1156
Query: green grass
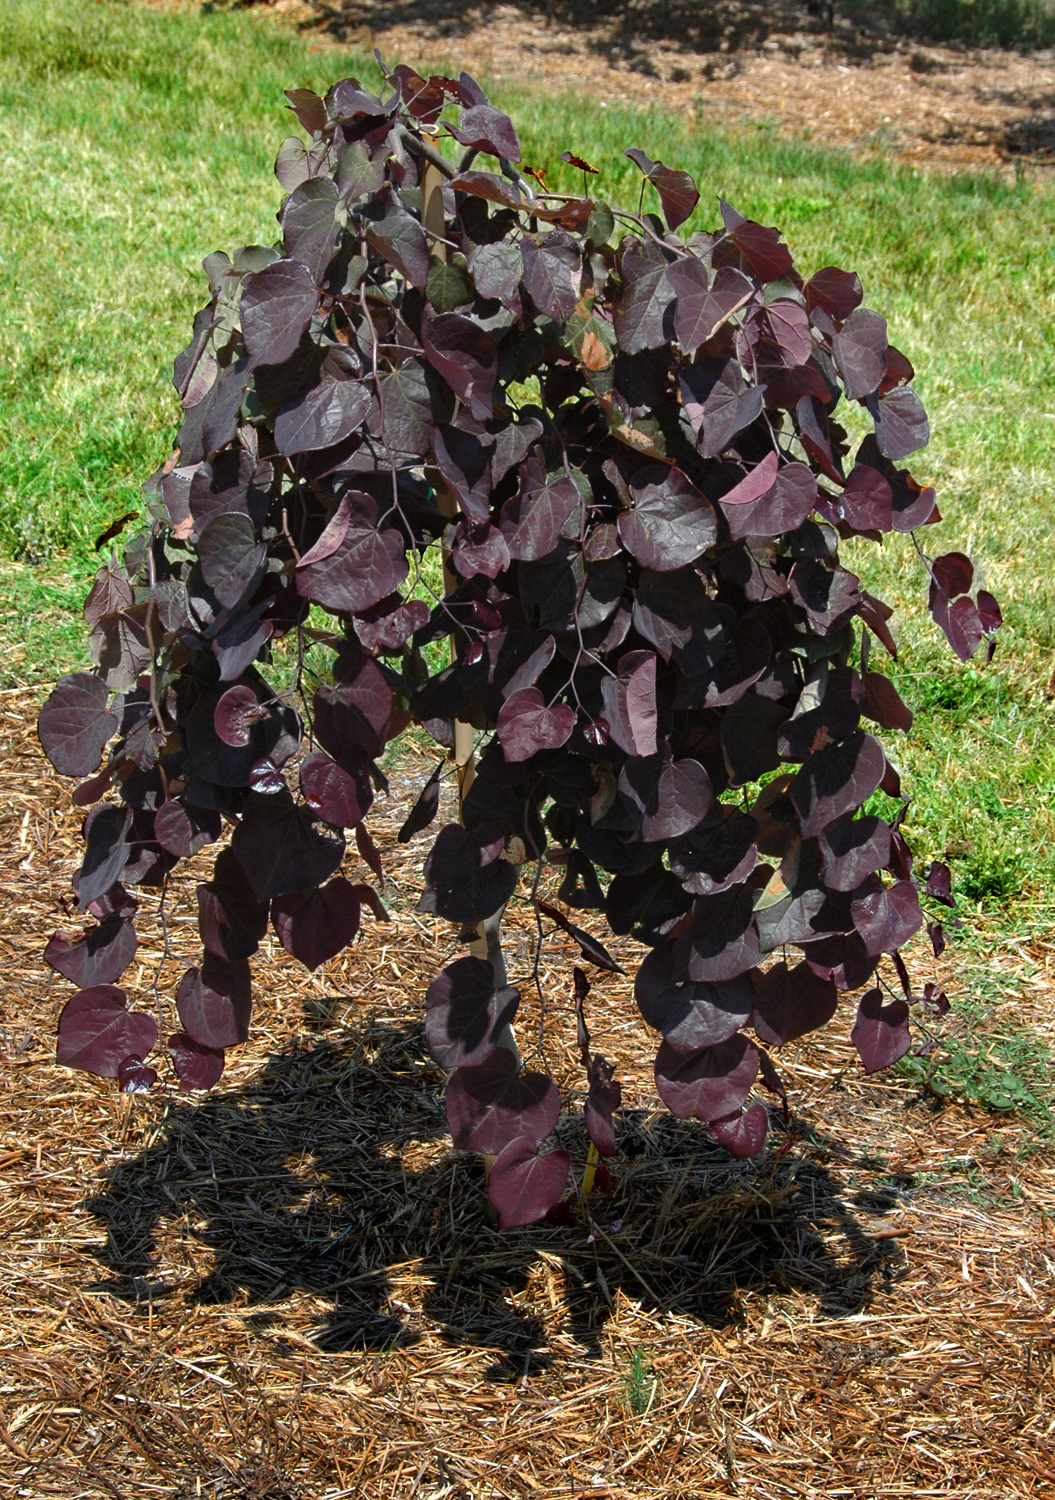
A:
979	23
135	142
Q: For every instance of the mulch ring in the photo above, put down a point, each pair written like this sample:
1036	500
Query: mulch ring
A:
791	65
290	1288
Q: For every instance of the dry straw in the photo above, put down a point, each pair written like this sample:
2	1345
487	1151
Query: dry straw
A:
289	1288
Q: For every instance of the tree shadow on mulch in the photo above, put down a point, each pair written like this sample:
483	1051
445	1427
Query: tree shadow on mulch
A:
622	30
305	1179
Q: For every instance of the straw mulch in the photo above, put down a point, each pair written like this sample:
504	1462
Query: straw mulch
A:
845	81
289	1288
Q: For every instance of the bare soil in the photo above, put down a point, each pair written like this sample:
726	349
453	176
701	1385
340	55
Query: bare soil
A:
289	1290
798	67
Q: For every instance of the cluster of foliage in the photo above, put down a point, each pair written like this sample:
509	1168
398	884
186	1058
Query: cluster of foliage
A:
626	443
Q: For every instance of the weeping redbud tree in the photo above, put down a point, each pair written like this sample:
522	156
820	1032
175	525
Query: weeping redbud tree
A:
627	445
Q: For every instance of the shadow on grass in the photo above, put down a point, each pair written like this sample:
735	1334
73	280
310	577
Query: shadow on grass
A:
305	1179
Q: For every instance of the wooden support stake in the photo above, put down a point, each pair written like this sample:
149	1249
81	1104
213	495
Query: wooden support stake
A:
435	222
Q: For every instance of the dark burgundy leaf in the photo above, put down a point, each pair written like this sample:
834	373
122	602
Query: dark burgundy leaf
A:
963	627
197	1067
236	713
742	1135
690	1015
776	334
354	716
308	108
891	782
106	830
782	506
837	780
284	848
353	565
368	851
466	1015
322	416
231	558
671	523
465	879
527	675
704	304
760	247
589	946
649	903
748	655
710	1084
677	191
580	887
214	1003
478	550
880	1033
75	725
665	799
720	853
230	918
830	595
424	809
275	308
310	230
488	129
954	573
466	356
134	1077
604	1098
523	1186
370	899
387	625
935	1001
407	422
828	709
183	829
901	424
939	883
497	269
314	926
551	273
100	957
721	940
630	703
717	403
936	933
989	612
887	918
493	1105
532	522
843	960
854	848
882	702
527	725
400	239
866	503
640	314
790	1003
97	1032
860	350
836	292
339	794
238	644
488	185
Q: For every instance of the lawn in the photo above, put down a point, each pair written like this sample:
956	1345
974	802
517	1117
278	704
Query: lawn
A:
138	140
